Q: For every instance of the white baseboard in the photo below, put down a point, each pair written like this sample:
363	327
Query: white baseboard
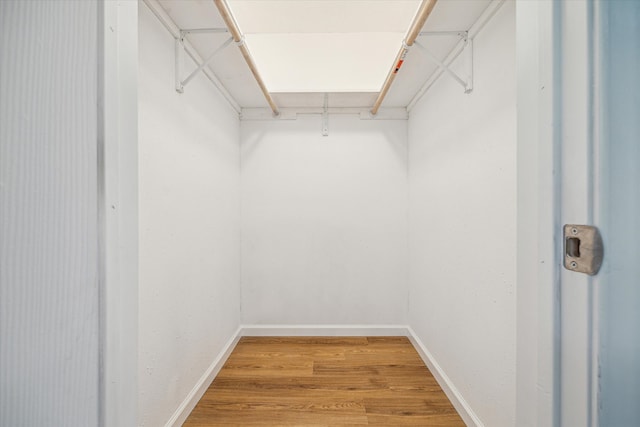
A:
323	330
458	402
182	413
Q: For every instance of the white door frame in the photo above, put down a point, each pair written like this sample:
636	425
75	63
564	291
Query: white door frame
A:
539	244
118	210
538	264
578	123
555	381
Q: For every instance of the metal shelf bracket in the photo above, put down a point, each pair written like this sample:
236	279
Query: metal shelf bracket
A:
180	51
465	81
325	116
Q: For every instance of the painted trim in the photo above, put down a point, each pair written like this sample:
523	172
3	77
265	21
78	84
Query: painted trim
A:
182	412
118	211
324	330
538	169
454	395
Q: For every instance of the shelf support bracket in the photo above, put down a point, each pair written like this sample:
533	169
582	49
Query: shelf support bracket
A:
179	60
180	49
465	81
325	116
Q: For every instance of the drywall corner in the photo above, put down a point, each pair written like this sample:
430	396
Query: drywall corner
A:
454	395
182	412
189	286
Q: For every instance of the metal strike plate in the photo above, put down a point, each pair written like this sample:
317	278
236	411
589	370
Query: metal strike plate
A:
583	249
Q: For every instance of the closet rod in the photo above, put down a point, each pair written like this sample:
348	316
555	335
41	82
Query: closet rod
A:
416	26
224	10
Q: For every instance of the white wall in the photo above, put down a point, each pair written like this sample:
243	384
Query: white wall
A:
189	227
49	294
462	180
324	221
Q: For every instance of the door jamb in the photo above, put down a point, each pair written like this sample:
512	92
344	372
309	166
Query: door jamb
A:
118	211
538	220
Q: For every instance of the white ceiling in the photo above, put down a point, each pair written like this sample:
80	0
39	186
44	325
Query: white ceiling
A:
321	23
323	16
324	45
324	62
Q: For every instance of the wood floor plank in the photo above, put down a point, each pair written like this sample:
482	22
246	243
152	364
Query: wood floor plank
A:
324	381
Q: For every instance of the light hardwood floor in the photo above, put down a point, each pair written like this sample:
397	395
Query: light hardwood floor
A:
287	381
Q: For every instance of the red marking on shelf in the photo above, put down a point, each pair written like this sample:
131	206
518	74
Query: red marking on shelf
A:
398	66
